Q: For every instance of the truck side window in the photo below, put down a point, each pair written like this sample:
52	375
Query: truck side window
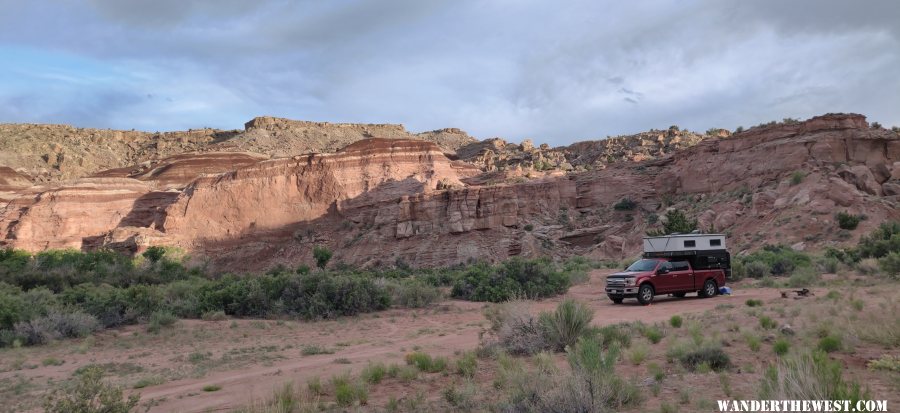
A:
680	266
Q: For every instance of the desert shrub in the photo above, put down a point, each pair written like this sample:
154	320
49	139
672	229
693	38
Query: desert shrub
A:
756	269
90	395
811	377
214	316
638	354
829	265
887	362
890	264
797	177
212	388
767	322
578	269
753	341
847	221
154	253
323	295
779	260
313	350
618	335
55	326
426	363
159	320
868	266
781	346
753	303
467	365
373	373
882	241
462	397
593	385
676	321
804	277
676	222
412	293
830	343
625	204
567	323
516	330
710	355
653	333
322	255
514	278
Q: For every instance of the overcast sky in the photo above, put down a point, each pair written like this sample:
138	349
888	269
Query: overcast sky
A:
554	71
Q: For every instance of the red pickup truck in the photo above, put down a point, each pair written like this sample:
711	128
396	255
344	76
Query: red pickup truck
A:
649	277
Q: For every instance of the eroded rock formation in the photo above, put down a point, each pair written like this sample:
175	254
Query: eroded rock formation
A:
391	201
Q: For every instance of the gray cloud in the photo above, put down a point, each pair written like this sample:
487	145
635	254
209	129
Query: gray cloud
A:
551	71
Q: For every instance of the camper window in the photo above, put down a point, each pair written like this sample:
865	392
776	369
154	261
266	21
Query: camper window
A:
690	244
715	243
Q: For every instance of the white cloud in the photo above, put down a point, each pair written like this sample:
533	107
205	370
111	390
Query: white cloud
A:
555	72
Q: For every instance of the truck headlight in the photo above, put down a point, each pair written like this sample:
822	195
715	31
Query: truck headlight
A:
629	282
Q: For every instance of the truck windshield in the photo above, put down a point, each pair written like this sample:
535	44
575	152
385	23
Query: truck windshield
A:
642	265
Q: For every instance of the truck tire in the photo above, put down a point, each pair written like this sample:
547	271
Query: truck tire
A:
680	295
616	299
710	289
645	294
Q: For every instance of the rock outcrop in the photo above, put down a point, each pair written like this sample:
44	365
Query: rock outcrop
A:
391	201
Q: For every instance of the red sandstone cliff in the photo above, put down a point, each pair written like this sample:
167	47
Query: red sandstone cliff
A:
386	201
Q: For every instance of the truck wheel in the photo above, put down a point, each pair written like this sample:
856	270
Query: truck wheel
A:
709	289
645	294
680	295
616	300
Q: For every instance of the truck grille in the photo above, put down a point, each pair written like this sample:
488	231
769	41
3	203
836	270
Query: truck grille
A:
615	282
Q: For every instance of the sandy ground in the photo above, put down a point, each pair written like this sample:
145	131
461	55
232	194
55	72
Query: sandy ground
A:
250	358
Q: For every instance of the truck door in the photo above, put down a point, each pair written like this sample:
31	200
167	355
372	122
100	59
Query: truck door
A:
682	276
663	282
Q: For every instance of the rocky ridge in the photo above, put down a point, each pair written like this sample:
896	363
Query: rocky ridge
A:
389	201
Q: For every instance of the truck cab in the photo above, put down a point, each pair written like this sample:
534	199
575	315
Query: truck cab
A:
673	266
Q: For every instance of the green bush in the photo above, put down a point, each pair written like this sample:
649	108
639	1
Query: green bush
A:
707	355
373	373
55	326
514	278
413	293
890	264
767	322
881	242
426	363
804	277
830	343
847	221
676	321
754	303
625	204
778	260
567	324
89	395
467	365
781	346
797	177
756	269
676	222
809	376
322	255
159	320
653	333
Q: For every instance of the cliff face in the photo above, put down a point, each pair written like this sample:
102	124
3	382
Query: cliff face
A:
392	201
